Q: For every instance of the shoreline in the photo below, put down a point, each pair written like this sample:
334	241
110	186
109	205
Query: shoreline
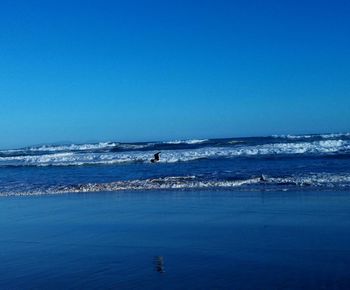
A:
189	191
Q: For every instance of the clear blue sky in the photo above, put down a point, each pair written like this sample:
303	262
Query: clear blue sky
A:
154	70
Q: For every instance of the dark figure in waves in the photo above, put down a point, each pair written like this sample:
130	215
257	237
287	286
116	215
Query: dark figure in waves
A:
156	158
263	178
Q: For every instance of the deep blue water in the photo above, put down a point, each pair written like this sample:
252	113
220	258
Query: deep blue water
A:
290	162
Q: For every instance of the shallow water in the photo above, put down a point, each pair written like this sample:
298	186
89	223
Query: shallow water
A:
176	240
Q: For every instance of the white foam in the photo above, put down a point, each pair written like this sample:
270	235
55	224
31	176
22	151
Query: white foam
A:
126	146
317	180
79	147
336	135
171	156
74	147
324	136
329	146
190	141
294	136
192	182
173	182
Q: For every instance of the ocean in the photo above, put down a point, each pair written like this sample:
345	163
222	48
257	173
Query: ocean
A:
235	213
273	163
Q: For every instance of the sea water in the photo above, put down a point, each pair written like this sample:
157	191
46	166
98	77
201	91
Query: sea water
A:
236	213
281	162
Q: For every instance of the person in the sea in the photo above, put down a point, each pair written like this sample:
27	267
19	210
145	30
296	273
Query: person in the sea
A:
156	157
263	177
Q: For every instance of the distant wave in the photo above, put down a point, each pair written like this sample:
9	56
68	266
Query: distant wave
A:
294	136
183	155
73	147
90	147
309	136
131	146
190	141
336	135
102	146
117	147
313	181
97	147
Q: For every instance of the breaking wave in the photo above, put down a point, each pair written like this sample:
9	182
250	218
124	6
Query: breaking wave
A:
266	183
298	162
190	141
309	136
182	155
73	147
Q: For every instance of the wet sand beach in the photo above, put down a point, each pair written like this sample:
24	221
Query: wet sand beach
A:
176	240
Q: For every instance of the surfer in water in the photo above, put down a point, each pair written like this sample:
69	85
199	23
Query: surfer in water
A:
156	158
263	178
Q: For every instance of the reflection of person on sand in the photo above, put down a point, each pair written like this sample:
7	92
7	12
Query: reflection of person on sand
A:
159	264
156	157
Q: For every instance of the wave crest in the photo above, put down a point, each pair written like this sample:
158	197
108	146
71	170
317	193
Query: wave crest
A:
190	141
309	136
312	181
183	155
